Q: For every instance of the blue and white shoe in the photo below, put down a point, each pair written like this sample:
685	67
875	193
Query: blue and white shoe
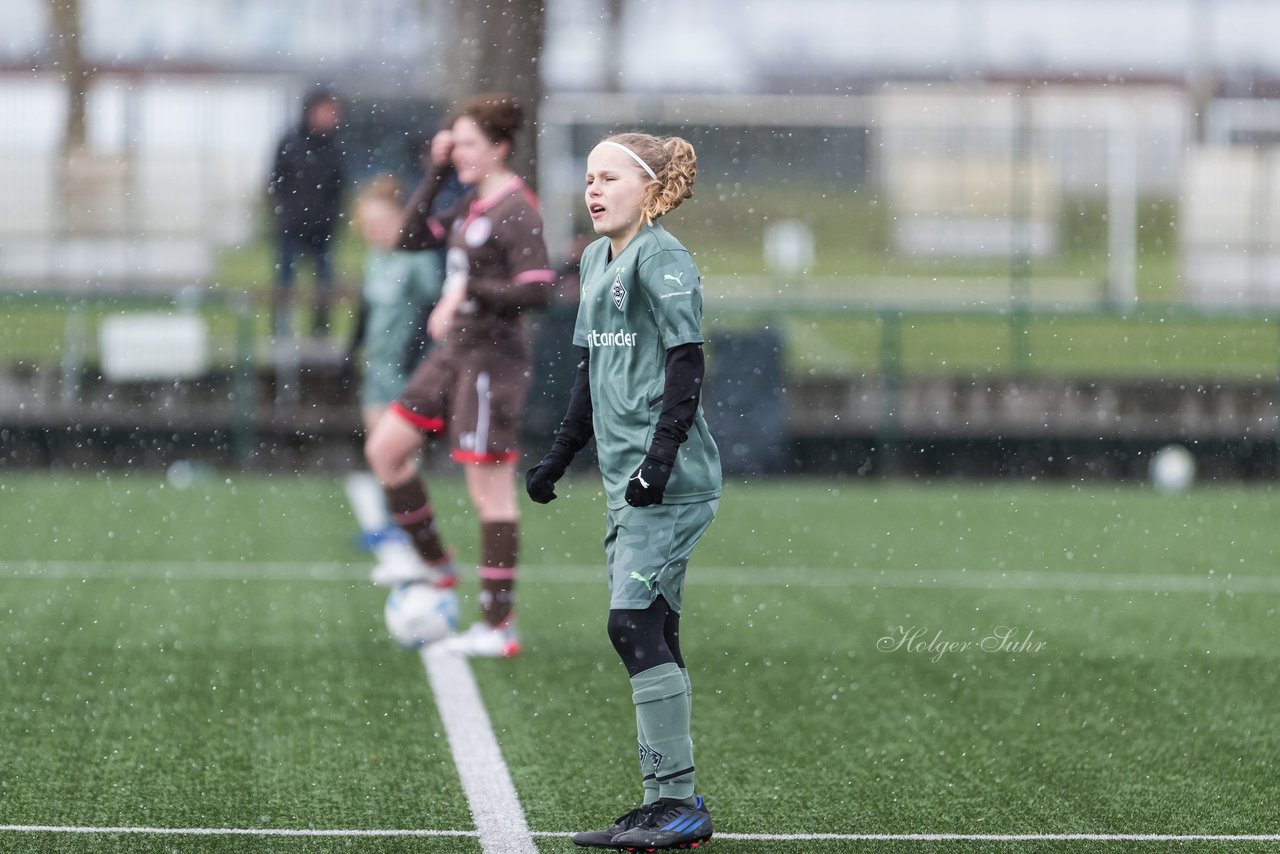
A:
400	564
669	825
369	541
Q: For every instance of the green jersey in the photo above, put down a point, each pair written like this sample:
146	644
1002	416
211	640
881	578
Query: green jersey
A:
633	309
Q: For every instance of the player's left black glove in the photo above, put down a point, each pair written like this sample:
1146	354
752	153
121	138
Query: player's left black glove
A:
540	481
648	482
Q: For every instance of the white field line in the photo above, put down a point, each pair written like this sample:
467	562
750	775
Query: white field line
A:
999	837
799	576
744	837
495	806
225	831
491	796
500	821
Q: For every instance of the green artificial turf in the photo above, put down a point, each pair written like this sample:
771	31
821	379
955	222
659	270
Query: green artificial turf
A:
213	657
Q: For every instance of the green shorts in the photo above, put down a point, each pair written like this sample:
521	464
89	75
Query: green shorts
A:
648	549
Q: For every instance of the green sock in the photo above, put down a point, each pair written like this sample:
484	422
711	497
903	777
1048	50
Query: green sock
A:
661	695
649	779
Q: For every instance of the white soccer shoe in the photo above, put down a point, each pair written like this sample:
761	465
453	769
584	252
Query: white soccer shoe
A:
398	566
485	641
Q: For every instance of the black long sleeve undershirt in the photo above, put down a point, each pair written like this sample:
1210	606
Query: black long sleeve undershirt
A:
684	371
576	429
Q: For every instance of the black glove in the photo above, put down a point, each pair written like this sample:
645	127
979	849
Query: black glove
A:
540	481
648	482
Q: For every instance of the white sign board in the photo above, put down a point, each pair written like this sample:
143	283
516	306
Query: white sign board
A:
153	347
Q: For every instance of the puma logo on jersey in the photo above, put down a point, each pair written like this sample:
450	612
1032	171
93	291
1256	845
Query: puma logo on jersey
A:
647	582
676	278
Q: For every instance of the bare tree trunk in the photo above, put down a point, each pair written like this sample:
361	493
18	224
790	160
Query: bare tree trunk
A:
613	46
498	47
65	17
92	187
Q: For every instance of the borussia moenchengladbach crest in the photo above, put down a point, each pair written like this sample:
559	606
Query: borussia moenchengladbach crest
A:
619	293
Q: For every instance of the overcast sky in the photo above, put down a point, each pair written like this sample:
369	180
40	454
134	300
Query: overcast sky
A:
714	44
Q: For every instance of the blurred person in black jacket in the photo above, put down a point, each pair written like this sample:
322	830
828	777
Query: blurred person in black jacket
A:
306	195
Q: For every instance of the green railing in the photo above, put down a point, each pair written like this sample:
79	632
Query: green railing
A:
1174	341
820	337
43	326
1181	344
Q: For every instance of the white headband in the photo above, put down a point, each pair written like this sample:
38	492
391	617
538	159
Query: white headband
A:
633	155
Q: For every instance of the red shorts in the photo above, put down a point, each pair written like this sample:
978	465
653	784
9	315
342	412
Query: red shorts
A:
476	395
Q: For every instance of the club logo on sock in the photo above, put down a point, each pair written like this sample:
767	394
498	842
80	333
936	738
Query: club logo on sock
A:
649	756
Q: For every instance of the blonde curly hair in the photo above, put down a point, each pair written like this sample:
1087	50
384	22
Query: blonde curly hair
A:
673	160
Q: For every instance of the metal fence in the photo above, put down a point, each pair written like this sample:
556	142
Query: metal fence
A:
178	365
960	196
917	195
173	172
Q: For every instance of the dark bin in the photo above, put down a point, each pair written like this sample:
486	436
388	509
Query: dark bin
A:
745	401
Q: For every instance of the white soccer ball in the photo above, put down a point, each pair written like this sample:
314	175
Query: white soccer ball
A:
419	613
1173	468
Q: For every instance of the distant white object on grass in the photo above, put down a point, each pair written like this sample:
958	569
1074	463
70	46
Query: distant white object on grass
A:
419	613
789	247
184	474
153	346
1173	468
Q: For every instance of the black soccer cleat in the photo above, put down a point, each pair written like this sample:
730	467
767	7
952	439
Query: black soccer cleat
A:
669	826
604	838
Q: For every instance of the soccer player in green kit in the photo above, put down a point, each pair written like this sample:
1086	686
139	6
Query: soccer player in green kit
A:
638	392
